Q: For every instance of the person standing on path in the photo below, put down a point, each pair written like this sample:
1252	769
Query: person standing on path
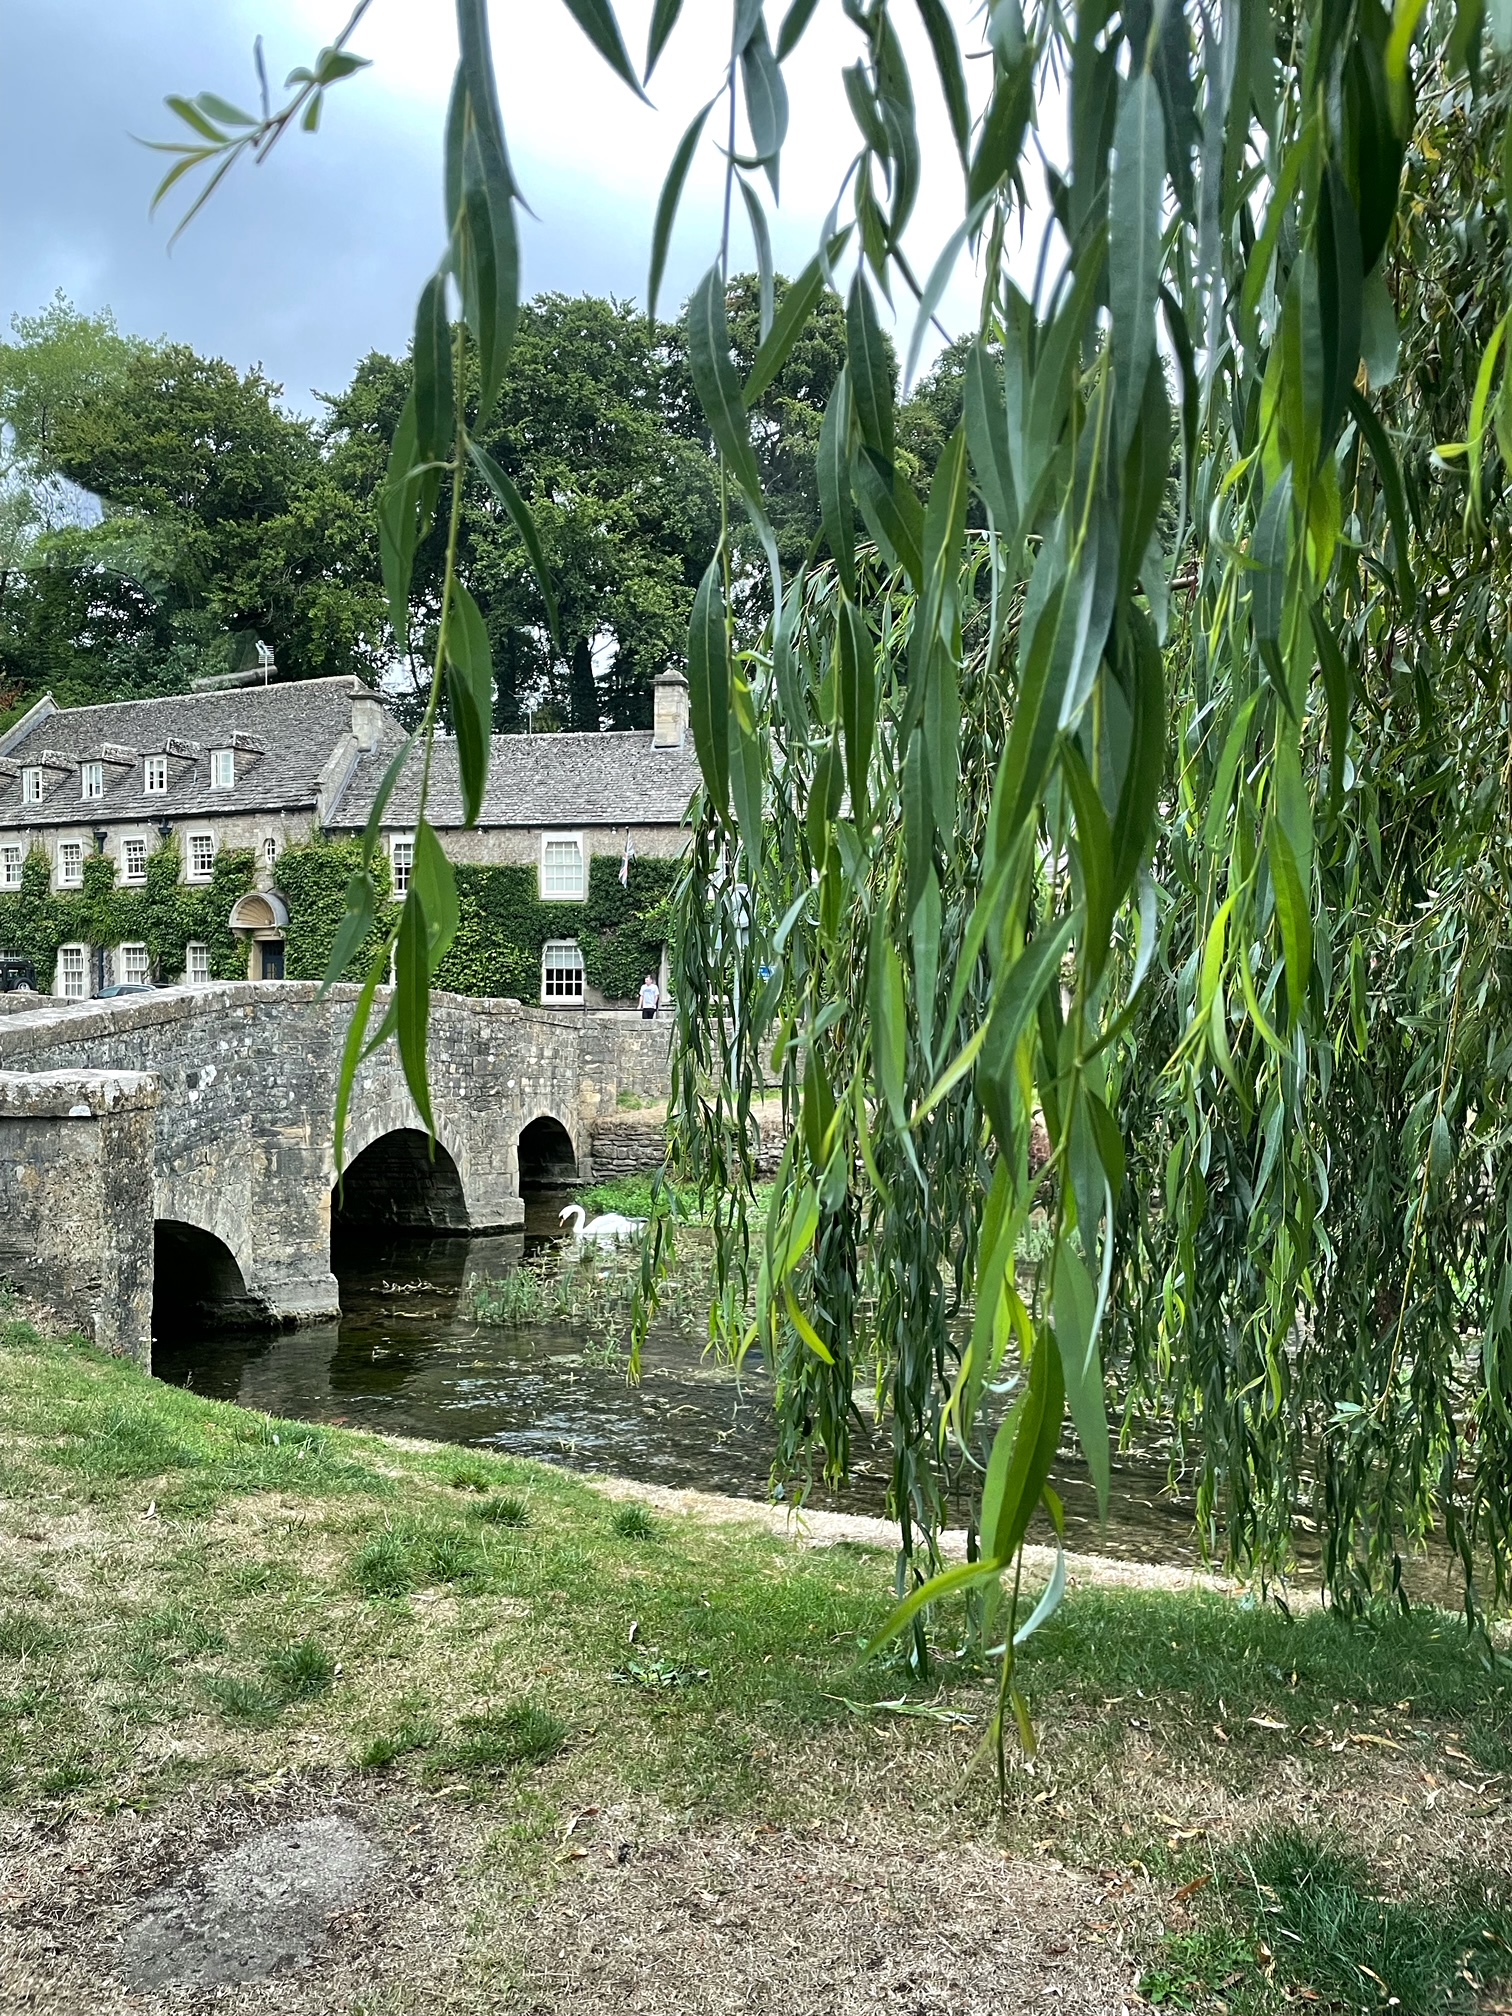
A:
650	999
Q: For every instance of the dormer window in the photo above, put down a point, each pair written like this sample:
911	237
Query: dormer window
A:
31	787
91	780
155	775
222	769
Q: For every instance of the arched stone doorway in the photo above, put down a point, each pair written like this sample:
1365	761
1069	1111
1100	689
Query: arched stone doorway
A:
261	918
399	1183
197	1287
546	1155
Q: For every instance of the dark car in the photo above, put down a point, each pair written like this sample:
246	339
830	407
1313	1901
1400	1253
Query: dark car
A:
124	987
17	976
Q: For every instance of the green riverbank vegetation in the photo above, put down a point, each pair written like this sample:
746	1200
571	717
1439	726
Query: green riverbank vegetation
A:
198	1603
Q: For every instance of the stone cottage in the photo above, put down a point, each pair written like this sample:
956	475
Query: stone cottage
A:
270	767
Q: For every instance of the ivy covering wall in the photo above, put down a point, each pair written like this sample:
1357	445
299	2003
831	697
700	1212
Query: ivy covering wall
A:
164	913
503	925
503	922
313	881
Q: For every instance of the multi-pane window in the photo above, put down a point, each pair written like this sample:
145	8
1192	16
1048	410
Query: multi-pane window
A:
562	868
401	861
561	970
10	867
155	775
31	787
270	850
136	967
133	860
70	864
73	972
91	780
201	856
222	769
196	964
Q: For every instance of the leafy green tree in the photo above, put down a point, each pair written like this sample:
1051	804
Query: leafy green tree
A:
786	419
219	519
624	505
624	500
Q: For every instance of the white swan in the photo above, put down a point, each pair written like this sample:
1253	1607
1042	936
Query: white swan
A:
612	1229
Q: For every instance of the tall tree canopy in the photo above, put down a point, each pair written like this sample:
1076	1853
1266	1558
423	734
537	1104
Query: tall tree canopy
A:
217	520
160	509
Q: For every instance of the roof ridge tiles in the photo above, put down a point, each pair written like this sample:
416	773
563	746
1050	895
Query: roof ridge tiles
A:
350	680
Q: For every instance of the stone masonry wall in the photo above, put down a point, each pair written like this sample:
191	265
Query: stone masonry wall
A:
76	1199
635	1144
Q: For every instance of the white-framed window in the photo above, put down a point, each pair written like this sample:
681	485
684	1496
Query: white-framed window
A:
222	769
154	775
561	970
70	864
91	780
73	972
401	861
31	787
201	856
196	964
133	860
270	850
562	876
134	966
11	863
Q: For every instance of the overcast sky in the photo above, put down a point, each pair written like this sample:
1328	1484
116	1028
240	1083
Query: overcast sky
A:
307	263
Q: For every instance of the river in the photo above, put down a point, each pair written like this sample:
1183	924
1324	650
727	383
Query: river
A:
409	1357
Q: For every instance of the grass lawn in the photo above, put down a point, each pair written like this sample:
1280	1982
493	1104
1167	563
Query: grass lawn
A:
617	1754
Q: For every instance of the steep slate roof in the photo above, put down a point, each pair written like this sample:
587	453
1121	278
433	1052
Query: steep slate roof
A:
297	722
615	779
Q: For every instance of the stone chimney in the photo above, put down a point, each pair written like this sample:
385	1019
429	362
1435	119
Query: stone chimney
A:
669	720
367	720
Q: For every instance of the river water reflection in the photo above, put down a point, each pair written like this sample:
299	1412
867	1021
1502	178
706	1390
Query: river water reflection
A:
408	1357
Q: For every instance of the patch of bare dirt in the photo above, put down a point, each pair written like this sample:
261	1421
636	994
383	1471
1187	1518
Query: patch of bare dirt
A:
633	1914
73	1898
727	1923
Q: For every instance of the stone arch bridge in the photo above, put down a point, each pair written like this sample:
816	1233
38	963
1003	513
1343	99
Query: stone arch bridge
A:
197	1123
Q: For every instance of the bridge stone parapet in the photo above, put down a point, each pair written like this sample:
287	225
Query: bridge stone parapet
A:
220	1124
76	1198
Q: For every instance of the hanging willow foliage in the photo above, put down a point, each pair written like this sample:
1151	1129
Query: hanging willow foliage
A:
1165	815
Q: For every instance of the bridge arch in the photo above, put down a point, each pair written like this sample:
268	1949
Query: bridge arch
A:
198	1284
546	1153
400	1181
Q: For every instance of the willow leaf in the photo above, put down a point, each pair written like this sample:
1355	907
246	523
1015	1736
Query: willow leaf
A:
597	21
709	685
524	523
1134	243
666	206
